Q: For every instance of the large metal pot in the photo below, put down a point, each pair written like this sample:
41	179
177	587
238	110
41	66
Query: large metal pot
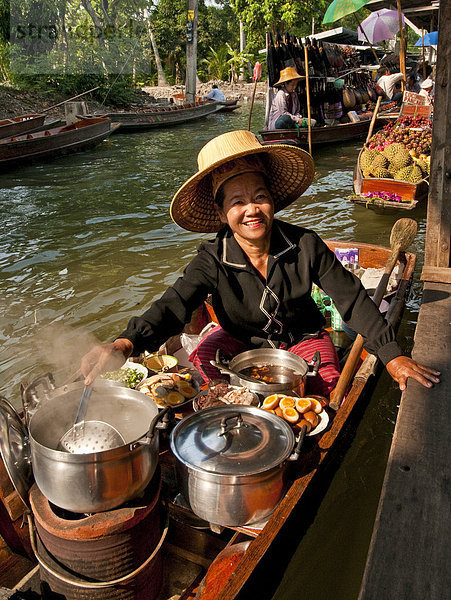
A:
102	480
232	464
290	370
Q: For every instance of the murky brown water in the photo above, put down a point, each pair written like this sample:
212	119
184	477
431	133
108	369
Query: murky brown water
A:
87	241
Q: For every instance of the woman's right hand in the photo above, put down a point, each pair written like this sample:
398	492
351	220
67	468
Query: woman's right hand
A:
105	357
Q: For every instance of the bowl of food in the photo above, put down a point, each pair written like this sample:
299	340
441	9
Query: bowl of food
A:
170	389
129	375
308	411
161	362
224	393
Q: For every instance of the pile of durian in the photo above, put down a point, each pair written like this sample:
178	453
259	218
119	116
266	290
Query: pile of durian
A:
395	162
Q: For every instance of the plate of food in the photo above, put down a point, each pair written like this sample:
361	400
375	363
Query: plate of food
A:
129	375
170	389
308	411
223	393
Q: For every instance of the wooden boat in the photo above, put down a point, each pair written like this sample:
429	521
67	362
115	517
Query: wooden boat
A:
162	116
57	141
22	124
206	562
411	193
229	105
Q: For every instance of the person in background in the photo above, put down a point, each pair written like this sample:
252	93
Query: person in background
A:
215	95
388	83
427	90
412	84
285	110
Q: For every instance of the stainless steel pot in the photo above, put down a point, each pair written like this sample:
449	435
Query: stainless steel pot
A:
232	464
293	370
102	480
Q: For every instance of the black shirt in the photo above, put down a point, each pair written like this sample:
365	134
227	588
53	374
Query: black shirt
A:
265	313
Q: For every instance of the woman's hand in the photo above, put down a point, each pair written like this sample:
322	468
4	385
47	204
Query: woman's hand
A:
105	357
403	367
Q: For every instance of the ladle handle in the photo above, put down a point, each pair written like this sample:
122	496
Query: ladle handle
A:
228	371
315	363
83	406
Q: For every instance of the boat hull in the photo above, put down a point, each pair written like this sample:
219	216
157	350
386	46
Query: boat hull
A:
53	142
20	125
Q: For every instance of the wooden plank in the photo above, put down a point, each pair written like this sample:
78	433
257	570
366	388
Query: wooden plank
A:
437	246
436	274
409	554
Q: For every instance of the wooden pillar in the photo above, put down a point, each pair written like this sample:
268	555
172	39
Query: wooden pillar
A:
402	47
437	260
191	51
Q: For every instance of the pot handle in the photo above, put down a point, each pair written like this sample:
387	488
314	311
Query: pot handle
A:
226	428
297	450
315	363
165	416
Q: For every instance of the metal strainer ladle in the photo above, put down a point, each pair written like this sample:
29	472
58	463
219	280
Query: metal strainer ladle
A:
85	437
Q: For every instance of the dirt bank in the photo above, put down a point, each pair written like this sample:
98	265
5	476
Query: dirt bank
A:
15	102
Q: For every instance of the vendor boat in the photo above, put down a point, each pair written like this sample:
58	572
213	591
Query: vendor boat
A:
367	189
204	561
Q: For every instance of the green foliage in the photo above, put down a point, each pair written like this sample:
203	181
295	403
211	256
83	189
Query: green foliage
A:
217	63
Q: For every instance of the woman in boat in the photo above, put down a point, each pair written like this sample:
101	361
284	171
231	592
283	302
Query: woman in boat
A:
285	110
258	270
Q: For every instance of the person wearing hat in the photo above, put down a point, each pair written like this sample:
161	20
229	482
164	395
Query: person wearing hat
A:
258	271
285	108
427	87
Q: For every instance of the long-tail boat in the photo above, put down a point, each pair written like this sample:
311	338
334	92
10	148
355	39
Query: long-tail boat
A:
53	142
162	116
21	124
207	562
409	193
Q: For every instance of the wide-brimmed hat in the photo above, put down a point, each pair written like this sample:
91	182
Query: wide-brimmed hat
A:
288	169
288	74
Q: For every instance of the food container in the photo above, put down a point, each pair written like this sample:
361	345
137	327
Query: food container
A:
161	362
290	369
91	482
232	462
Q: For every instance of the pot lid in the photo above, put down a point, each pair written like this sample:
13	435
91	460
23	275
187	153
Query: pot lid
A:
15	449
232	440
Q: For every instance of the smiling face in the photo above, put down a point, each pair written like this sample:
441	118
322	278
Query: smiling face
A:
248	208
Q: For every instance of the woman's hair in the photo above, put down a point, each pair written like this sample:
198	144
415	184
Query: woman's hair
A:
220	195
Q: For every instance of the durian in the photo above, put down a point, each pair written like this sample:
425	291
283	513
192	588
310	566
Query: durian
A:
366	159
382	173
402	159
379	161
415	175
366	174
423	166
403	174
391	150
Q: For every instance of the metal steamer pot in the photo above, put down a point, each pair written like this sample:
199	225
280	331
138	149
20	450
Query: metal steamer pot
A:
290	370
232	464
105	479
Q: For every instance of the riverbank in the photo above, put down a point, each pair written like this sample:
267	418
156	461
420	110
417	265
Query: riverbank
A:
14	101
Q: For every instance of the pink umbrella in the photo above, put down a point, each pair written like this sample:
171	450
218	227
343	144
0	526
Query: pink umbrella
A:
380	25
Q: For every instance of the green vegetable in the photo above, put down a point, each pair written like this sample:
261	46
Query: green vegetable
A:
130	377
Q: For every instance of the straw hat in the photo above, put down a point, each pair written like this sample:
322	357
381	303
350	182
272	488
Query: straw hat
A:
288	74
289	171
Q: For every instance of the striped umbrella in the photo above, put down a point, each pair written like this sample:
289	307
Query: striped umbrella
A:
341	8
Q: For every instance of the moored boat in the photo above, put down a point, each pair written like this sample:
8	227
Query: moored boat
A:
53	142
162	116
199	557
21	124
380	193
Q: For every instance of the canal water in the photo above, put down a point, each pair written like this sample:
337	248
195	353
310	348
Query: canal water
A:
86	242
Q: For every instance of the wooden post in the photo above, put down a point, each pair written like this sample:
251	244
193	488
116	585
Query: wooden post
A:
191	51
307	93
422	48
402	49
437	260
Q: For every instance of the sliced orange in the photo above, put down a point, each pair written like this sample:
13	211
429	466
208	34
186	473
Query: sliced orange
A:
287	402
301	423
270	402
290	414
311	417
317	407
303	405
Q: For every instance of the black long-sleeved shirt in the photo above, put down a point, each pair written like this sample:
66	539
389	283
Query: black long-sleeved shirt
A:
261	313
